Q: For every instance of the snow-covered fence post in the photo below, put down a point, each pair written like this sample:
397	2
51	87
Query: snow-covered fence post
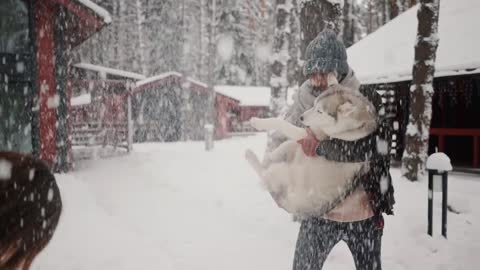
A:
129	120
438	164
421	91
208	137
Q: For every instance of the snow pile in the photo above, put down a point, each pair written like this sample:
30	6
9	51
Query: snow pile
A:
5	169
387	55
81	100
248	95
439	161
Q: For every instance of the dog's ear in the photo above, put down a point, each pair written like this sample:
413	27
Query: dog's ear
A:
346	108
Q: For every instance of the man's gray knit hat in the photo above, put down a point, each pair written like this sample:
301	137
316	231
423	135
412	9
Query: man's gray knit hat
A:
325	54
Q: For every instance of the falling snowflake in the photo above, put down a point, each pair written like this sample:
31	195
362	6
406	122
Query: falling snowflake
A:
382	146
53	101
50	194
31	174
5	169
384	184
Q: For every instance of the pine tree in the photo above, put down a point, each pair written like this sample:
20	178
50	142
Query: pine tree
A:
421	91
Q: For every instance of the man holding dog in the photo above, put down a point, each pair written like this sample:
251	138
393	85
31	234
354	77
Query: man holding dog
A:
357	220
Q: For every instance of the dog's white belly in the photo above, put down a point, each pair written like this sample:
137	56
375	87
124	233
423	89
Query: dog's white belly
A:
308	184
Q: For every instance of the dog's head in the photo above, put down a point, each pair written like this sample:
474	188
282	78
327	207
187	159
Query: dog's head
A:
340	110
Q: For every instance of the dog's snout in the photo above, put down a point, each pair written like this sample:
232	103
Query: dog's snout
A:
301	118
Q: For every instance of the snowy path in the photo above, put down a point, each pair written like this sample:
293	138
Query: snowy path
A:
175	206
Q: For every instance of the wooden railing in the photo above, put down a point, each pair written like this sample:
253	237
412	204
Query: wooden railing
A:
96	133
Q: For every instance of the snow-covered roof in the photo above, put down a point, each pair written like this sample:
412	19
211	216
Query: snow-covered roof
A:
197	82
101	12
112	71
247	95
81	100
158	77
387	55
168	74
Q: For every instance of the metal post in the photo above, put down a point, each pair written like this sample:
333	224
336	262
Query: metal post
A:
129	124
430	201
444	203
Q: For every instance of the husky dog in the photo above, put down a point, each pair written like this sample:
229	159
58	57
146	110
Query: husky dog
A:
313	185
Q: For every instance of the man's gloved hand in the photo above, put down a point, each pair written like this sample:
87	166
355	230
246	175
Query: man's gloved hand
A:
309	144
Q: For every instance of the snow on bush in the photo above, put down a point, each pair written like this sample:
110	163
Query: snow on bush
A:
263	52
225	47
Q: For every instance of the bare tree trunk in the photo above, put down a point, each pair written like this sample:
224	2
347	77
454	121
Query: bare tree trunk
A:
279	80
370	17
294	66
348	33
395	7
315	16
421	91
210	116
140	22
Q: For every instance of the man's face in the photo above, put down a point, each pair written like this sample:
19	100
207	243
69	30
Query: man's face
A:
319	80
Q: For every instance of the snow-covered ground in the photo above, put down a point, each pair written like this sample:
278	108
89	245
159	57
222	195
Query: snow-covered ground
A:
175	206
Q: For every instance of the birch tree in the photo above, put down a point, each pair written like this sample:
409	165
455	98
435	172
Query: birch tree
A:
421	91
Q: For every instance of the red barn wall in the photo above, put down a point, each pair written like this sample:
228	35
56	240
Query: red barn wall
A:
44	28
224	105
247	112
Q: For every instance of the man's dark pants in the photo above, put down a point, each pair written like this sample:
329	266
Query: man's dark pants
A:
318	236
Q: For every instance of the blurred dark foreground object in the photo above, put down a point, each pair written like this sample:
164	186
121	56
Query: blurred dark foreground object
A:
30	207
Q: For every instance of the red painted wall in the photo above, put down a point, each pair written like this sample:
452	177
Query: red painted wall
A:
44	28
247	112
224	105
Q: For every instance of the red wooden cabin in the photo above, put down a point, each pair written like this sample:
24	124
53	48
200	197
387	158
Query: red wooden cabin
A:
34	51
253	101
228	115
99	111
169	107
383	61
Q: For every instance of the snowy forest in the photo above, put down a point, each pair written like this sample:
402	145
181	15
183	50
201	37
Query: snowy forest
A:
154	36
239	134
